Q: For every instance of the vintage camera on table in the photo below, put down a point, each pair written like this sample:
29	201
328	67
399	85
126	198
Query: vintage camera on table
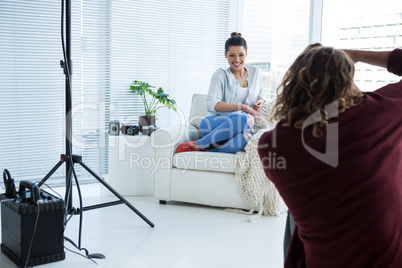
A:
147	130
130	129
115	128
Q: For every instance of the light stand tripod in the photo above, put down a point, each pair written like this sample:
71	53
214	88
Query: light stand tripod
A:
69	158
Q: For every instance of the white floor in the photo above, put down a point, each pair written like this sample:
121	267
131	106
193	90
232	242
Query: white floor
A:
184	236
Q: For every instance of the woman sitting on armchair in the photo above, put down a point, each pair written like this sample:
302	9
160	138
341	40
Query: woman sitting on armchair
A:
234	99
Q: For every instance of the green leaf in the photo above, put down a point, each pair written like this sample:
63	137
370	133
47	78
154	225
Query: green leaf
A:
159	98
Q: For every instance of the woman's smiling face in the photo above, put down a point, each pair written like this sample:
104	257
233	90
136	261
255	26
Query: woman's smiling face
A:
236	56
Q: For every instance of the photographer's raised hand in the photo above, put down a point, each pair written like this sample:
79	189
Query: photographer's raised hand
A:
377	58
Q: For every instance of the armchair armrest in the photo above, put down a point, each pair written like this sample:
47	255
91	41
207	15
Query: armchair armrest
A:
164	141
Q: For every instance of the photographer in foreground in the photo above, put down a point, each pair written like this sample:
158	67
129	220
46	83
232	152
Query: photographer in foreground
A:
343	151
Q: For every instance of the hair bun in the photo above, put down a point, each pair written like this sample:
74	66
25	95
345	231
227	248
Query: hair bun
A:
235	39
235	34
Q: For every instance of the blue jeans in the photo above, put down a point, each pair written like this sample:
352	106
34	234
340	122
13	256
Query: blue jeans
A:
224	132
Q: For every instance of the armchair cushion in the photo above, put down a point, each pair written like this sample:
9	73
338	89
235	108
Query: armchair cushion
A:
205	161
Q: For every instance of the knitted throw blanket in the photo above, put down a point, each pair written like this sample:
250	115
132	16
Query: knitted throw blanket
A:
258	192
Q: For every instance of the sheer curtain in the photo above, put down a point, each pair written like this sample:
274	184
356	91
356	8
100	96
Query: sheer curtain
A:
175	45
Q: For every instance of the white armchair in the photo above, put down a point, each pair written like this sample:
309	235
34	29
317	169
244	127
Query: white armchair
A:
205	178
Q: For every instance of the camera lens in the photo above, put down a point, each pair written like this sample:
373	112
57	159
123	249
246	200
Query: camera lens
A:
130	131
114	128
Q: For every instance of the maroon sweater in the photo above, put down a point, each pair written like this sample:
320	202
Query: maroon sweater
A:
347	214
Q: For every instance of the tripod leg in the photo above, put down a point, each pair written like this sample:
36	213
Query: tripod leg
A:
68	199
117	195
51	172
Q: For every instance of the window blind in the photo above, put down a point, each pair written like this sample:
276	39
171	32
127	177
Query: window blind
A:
89	42
276	33
176	45
31	88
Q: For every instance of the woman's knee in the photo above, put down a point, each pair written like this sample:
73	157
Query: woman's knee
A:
205	122
206	125
239	121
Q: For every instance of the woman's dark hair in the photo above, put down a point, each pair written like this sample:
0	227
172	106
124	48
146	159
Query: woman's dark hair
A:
235	40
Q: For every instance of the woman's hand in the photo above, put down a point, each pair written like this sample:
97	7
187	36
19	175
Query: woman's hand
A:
228	107
258	104
251	111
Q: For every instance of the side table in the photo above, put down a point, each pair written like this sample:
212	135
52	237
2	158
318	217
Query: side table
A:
131	164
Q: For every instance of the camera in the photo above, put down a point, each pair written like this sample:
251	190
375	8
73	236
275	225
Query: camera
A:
130	130
114	128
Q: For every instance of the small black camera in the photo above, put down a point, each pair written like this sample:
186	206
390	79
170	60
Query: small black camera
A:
130	130
114	128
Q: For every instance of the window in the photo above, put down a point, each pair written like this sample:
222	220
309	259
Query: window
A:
370	25
31	88
276	33
176	45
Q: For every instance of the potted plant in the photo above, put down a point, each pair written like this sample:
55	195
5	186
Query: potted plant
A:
158	100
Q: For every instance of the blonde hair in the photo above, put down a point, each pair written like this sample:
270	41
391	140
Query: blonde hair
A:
319	76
